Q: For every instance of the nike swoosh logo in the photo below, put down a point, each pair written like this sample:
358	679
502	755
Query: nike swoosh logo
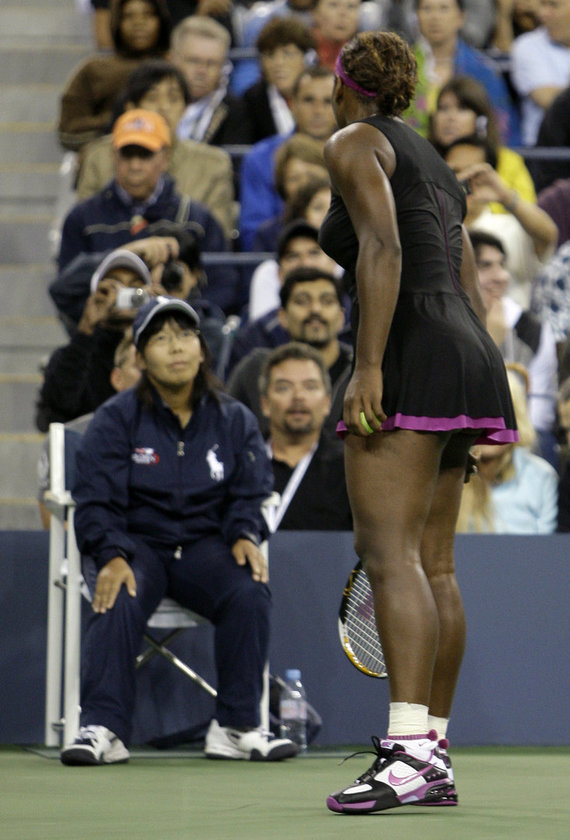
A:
397	780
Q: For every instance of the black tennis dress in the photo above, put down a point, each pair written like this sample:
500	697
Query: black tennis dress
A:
441	369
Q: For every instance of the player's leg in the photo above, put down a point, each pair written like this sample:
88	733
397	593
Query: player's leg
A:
437	553
391	478
438	560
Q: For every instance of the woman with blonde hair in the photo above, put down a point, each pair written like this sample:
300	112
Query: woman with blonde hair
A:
515	491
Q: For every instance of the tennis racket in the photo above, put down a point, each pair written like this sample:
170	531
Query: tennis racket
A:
357	625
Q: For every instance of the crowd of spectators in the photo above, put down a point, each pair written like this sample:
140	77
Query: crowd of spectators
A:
198	130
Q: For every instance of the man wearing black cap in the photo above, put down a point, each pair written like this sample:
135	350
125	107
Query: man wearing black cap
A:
169	485
297	245
311	312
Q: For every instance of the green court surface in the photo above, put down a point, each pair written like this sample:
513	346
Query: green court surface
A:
514	793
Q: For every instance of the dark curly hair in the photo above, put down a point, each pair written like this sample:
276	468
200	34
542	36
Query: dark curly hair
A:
282	31
382	62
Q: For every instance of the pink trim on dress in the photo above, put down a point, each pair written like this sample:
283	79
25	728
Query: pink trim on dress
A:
493	428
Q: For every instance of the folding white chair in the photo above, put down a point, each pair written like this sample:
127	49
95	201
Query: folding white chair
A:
64	602
66	586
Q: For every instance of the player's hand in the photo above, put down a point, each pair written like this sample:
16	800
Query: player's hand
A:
244	552
363	413
109	581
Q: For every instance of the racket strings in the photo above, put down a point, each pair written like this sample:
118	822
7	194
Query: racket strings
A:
360	627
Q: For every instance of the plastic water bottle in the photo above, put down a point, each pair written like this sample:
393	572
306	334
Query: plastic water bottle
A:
293	710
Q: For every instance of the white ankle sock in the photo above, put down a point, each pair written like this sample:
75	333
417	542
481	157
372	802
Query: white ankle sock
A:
440	725
408	719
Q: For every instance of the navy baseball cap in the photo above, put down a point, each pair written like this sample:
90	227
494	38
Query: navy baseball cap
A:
298	227
156	306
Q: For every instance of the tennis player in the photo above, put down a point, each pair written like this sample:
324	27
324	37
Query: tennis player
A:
428	382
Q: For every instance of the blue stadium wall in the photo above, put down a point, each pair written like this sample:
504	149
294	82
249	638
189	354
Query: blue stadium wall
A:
514	686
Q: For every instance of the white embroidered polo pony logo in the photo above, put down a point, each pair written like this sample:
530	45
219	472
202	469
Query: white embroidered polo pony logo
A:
216	467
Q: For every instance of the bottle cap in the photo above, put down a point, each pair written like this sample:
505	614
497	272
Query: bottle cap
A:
293	674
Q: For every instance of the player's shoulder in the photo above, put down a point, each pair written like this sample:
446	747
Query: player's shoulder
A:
350	141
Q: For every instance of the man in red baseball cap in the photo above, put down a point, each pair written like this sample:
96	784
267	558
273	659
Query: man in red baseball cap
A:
138	202
141	142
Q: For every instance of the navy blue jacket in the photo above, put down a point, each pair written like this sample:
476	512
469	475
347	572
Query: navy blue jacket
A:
106	221
139	472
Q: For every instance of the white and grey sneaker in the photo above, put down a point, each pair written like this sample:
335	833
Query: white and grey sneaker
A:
95	745
251	745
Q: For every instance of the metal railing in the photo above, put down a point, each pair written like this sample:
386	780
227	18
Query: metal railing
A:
242	259
543	152
237	152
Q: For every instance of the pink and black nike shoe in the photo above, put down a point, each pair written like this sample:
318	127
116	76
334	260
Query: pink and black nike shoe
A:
409	771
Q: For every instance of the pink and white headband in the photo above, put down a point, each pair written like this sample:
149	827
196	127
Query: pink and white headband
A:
342	74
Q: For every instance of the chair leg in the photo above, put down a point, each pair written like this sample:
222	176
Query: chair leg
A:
157	647
269	504
72	637
182	666
54	658
151	651
264	705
